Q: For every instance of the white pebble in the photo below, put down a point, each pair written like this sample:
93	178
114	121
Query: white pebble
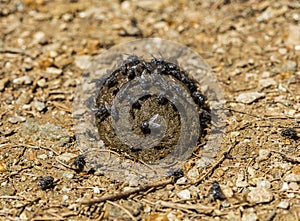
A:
39	37
263	154
282	50
42	156
23	80
266	74
228	192
16	119
193	174
66	157
97	190
240	181
181	180
248	98
294	186
285	186
267	82
54	71
283	205
83	61
249	216
260	195
68	175
184	194
263	183
65	198
40	106
292	178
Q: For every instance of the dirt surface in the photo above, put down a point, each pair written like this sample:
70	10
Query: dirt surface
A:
253	48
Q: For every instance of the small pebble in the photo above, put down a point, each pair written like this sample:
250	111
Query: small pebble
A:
41	82
251	171
16	119
285	186
228	192
96	190
294	186
83	61
282	50
65	198
250	97
79	112
296	169
39	37
263	154
260	195
23	80
151	5
283	205
24	98
240	181
292	178
249	216
184	194
133	180
40	106
66	157
67	190
53	54
54	71
266	74
263	183
181	180
264	16
203	162
193	174
42	156
289	66
68	175
296	16
194	190
290	195
235	133
267	82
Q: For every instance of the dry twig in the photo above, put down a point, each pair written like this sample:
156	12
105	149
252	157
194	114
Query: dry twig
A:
291	159
36	147
180	206
127	193
27	204
20	156
12	197
14	51
65	165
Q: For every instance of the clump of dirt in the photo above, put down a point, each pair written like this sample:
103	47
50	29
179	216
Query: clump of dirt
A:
152	115
253	48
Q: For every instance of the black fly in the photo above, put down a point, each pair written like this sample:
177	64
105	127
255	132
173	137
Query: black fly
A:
46	183
79	163
215	192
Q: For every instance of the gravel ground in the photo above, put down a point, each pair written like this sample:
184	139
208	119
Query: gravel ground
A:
253	48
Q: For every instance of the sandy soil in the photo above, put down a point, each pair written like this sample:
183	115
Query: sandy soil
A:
253	48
